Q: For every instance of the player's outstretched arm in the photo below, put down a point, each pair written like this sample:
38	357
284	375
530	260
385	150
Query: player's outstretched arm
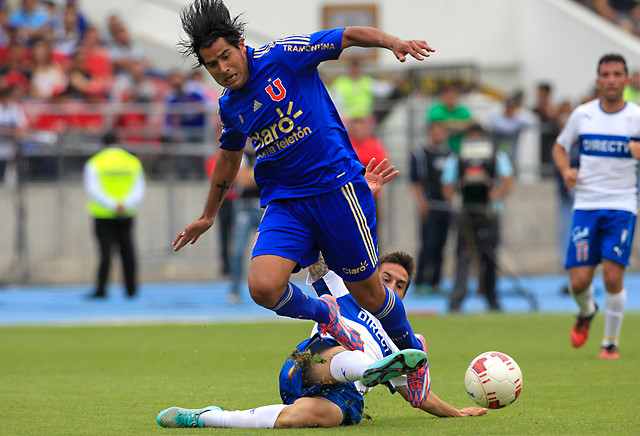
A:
357	36
224	173
437	407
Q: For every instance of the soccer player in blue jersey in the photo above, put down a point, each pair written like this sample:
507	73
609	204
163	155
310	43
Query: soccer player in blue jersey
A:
322	384
605	205
310	178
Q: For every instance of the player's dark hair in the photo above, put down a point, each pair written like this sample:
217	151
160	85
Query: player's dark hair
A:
403	259
204	22
613	57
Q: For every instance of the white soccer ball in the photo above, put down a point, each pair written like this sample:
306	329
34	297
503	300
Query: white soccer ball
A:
493	380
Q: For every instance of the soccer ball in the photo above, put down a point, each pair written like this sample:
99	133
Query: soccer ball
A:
493	380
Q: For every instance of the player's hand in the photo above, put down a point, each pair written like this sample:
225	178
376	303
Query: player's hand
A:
473	411
570	177
192	232
379	175
634	148
416	48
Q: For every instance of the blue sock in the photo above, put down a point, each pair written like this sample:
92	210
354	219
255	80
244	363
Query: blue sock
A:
296	304
394	320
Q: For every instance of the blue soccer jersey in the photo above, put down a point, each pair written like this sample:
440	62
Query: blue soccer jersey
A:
302	147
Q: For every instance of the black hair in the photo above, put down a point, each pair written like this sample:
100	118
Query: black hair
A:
613	57
204	22
109	138
475	128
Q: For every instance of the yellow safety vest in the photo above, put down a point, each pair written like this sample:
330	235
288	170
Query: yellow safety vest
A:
117	172
356	95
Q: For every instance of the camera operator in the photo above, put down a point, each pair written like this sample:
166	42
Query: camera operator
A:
483	175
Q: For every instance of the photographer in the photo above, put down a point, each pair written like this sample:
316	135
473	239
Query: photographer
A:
483	176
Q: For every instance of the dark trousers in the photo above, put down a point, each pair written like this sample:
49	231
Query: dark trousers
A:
433	232
478	236
112	232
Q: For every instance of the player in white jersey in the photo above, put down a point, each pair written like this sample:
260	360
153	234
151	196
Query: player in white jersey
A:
327	393
606	198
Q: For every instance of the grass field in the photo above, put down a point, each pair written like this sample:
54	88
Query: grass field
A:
115	379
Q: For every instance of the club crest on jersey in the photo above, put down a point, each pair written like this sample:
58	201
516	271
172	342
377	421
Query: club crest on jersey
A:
282	92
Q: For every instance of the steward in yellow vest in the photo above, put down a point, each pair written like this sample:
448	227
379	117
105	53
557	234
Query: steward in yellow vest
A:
114	180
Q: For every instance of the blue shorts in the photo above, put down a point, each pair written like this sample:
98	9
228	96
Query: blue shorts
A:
340	223
344	395
597	234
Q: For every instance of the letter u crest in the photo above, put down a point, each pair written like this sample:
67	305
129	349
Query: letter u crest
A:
281	91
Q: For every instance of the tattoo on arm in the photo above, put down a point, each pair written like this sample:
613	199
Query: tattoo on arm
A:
223	188
318	269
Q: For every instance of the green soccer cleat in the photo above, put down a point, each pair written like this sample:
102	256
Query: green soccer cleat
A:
402	362
176	417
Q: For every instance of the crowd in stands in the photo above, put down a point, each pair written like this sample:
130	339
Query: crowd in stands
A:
62	66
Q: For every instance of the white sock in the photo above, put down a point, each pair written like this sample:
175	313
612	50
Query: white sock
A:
585	300
348	366
260	417
614	312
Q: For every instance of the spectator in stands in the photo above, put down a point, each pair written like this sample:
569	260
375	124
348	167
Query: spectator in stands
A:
547	114
113	22
624	13
186	123
13	127
15	61
4	26
48	77
68	34
505	127
81	83
136	92
456	117
30	19
83	21
96	61
122	51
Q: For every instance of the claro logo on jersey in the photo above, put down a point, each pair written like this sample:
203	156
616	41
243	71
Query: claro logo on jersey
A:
351	271
280	134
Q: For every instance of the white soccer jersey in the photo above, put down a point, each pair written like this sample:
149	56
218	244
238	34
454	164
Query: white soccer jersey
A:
377	344
607	177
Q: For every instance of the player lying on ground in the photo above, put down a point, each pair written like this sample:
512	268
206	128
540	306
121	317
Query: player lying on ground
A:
322	383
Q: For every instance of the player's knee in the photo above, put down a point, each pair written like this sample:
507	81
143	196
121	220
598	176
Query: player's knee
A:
266	293
580	283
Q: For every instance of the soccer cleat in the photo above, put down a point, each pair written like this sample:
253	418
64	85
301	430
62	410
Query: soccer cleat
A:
419	382
580	330
336	327
394	365
177	417
609	352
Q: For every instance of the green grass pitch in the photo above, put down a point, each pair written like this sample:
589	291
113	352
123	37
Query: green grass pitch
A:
113	380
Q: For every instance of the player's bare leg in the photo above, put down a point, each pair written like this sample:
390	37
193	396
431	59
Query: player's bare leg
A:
270	287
